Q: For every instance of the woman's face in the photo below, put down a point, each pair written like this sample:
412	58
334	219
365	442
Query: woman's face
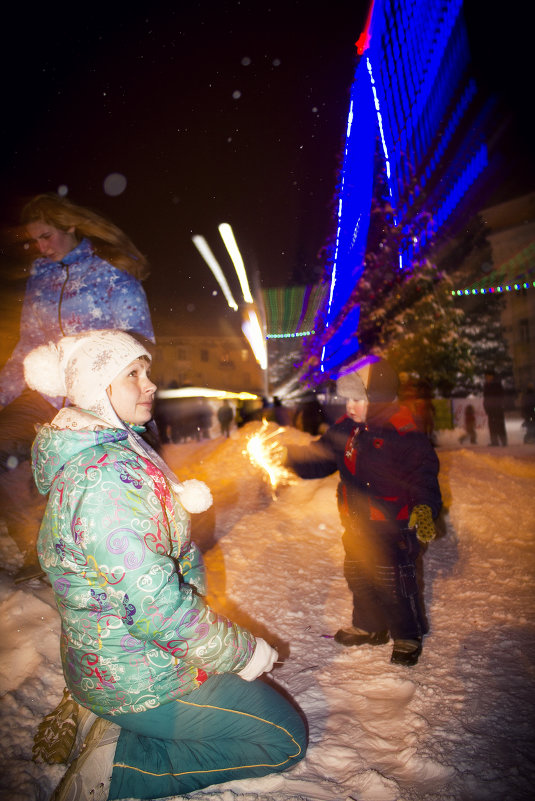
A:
132	393
52	242
357	410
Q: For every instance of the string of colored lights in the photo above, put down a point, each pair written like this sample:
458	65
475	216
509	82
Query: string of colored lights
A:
495	289
512	275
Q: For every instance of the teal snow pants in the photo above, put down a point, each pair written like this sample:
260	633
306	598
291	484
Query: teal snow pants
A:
226	729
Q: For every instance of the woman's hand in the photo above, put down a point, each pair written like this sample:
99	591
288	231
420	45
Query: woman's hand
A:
262	661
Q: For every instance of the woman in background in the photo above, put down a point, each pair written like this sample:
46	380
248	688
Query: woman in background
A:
87	276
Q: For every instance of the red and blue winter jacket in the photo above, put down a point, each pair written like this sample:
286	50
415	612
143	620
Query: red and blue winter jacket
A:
386	466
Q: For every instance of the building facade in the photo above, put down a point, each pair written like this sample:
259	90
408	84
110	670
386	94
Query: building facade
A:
512	238
415	106
217	362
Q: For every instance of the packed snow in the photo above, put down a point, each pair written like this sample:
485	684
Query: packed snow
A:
456	727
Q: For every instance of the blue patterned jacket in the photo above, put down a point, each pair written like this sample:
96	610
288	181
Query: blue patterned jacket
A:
81	293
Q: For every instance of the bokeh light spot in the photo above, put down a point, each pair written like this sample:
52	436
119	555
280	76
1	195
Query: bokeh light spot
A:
114	184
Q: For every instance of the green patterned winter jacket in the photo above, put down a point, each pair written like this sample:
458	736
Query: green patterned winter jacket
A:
128	580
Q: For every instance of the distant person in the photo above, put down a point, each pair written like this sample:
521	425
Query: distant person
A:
417	395
494	405
469	425
281	414
528	414
170	683
225	416
310	416
388	497
88	275
205	416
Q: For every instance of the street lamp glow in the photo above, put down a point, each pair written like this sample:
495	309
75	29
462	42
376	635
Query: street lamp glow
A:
227	235
204	249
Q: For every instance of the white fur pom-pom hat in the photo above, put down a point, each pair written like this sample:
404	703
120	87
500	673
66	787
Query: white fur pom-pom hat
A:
81	368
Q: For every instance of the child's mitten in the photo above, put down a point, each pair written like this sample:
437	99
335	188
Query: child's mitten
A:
422	520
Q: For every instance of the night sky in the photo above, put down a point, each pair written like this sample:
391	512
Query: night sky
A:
213	112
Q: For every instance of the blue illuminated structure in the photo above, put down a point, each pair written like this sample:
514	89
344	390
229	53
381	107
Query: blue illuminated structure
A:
411	96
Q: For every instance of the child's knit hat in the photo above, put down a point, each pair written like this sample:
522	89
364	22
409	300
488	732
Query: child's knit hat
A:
81	367
370	379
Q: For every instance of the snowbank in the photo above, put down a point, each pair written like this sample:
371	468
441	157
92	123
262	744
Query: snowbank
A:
457	727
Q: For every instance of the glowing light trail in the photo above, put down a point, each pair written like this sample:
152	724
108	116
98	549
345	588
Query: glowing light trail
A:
227	235
252	331
204	249
203	392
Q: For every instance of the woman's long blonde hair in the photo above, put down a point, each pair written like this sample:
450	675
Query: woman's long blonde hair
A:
109	242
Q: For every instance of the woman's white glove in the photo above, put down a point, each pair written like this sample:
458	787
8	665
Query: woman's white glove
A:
261	661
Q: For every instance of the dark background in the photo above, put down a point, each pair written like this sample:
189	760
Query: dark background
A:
146	90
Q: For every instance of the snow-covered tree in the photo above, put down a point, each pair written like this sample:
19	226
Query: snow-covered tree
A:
422	330
467	260
407	309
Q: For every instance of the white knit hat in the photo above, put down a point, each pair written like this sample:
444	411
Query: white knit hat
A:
82	367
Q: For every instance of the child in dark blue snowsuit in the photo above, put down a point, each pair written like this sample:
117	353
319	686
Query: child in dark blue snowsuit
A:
388	496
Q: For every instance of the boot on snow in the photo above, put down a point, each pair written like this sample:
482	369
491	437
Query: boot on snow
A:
406	652
354	636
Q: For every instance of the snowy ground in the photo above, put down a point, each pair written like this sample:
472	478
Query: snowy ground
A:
457	727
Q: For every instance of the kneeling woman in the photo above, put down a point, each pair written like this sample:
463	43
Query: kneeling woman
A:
140	647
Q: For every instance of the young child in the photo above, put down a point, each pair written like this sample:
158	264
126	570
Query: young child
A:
387	497
140	647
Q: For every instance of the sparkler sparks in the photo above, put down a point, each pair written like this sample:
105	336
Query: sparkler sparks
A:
268	456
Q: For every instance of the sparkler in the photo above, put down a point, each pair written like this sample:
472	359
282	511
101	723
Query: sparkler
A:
268	456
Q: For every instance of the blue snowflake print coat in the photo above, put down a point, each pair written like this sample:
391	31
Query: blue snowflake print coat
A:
81	293
128	581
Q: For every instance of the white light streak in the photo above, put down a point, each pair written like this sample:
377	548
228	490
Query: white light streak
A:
204	392
204	249
253	333
227	235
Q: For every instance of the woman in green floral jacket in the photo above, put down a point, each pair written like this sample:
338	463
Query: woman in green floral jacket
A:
140	647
